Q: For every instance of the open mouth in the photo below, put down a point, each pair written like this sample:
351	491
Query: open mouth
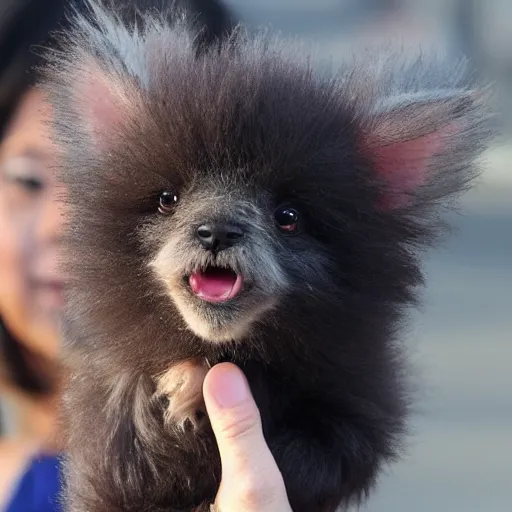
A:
215	284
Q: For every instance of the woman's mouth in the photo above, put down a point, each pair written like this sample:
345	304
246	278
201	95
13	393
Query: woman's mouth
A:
215	284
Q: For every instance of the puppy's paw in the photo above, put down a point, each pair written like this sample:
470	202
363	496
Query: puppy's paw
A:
182	384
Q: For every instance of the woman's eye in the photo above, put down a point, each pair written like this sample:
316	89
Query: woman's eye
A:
30	184
23	174
167	201
287	219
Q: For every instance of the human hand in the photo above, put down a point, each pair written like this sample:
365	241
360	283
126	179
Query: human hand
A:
251	480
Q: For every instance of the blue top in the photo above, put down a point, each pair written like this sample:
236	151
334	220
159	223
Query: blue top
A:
39	488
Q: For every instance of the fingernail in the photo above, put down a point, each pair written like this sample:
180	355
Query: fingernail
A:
229	387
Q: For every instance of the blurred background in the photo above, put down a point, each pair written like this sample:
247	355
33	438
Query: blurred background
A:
460	453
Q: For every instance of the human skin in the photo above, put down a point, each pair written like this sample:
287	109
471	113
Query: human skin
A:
251	480
30	223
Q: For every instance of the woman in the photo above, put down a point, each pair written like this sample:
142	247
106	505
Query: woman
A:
30	283
31	298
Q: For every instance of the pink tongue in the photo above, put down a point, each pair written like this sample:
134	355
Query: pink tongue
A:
214	286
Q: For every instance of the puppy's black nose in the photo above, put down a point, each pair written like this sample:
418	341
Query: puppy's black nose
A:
217	237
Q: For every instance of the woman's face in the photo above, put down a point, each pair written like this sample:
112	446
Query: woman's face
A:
30	222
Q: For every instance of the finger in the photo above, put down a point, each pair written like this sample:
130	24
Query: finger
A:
251	480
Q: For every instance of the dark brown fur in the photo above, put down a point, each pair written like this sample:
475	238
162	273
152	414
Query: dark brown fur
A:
251	125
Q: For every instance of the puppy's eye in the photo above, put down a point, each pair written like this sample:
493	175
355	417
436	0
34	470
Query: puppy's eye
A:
167	201
287	219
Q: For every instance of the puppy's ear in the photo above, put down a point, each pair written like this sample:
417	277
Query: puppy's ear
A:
424	145
102	102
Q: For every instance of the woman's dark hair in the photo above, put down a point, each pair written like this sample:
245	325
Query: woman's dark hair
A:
24	24
25	369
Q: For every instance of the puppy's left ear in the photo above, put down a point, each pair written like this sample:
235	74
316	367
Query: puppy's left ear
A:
424	145
102	100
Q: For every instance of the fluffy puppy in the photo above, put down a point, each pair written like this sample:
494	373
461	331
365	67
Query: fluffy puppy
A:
239	205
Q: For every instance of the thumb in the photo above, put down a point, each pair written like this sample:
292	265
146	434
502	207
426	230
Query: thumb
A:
251	480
